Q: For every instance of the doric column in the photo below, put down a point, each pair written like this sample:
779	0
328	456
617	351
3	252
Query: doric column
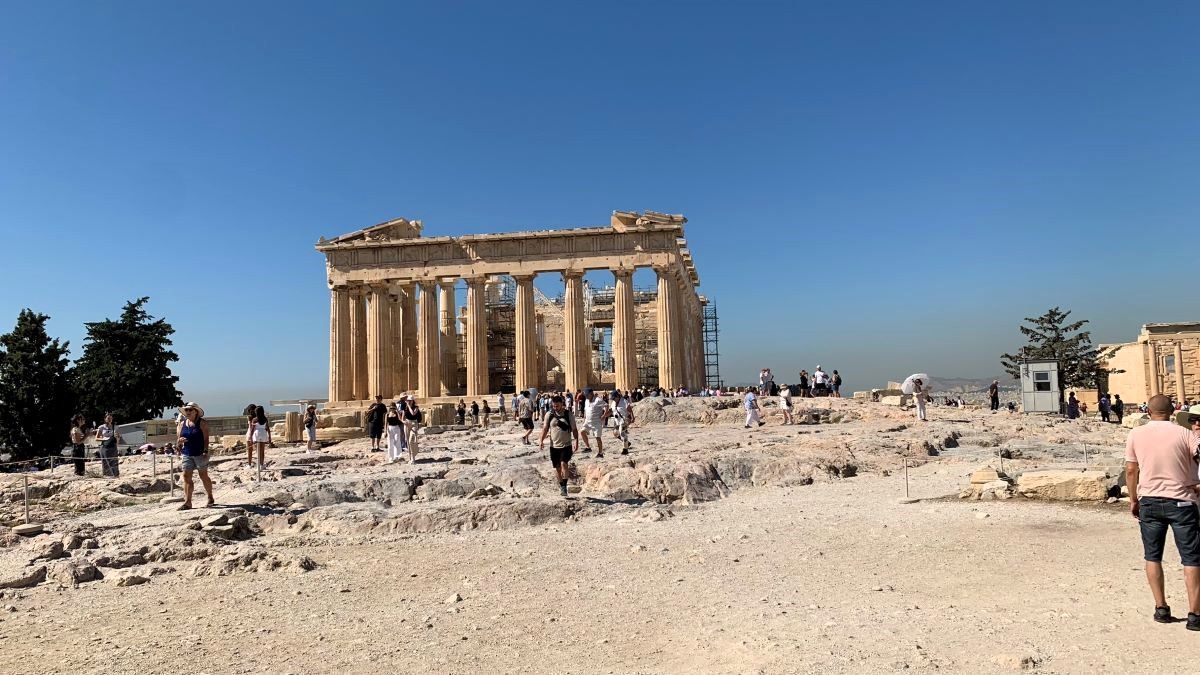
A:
543	360
358	343
575	349
1179	373
429	371
341	374
477	347
399	369
379	345
700	360
668	329
449	336
1152	360
408	310
624	338
526	375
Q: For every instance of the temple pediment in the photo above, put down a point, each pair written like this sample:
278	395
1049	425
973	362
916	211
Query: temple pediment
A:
392	230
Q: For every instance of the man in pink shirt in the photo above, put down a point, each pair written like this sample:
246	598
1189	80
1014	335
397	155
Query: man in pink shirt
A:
1161	473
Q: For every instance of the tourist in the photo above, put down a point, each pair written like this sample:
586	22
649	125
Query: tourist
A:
501	408
785	403
474	413
251	415
622	413
396	444
836	381
595	414
108	437
1118	407
310	426
376	417
1105	408
804	391
192	436
261	433
564	438
752	409
525	415
1012	407
487	414
994	394
919	398
461	412
820	381
1072	407
1161	474
78	449
413	417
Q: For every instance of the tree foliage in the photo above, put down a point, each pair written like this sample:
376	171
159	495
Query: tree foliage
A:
35	389
1049	336
126	367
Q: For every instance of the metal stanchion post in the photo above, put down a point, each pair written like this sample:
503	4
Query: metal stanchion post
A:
906	495
172	474
154	466
51	465
1085	457
26	481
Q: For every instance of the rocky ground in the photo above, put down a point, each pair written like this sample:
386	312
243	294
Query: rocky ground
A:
711	548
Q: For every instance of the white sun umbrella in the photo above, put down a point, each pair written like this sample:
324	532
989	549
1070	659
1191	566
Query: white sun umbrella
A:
907	387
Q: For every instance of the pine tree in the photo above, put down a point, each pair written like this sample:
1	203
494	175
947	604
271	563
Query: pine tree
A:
35	389
1050	337
126	367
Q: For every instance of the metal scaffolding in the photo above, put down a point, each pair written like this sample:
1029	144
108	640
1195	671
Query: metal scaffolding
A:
712	366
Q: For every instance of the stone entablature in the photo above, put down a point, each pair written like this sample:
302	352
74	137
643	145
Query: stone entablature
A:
388	334
1165	359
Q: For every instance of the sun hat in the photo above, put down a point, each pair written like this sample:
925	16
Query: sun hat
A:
1181	417
192	405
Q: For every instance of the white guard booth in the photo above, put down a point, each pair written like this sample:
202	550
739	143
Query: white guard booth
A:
1040	392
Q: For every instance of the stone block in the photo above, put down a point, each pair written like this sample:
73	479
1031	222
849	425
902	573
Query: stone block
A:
1135	420
1064	485
987	475
346	422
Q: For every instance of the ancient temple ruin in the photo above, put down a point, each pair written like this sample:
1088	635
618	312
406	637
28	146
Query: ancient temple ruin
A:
395	326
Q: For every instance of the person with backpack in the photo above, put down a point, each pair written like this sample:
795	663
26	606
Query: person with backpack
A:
376	416
564	439
836	381
78	449
310	426
109	437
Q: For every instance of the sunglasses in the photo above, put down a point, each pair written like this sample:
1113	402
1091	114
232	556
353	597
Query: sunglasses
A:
1194	420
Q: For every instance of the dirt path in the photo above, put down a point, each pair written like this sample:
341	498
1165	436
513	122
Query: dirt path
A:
834	577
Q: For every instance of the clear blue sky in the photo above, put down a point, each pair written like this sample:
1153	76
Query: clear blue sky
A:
878	188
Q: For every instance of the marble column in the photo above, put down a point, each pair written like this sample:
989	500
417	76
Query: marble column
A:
700	360
624	340
1152	360
408	310
575	347
668	329
358	344
449	337
477	347
526	375
341	376
1179	390
379	345
429	370
396	338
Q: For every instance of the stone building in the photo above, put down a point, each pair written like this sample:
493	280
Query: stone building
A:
1165	359
395	326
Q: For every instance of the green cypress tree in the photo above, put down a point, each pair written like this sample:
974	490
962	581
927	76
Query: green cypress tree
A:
35	389
126	367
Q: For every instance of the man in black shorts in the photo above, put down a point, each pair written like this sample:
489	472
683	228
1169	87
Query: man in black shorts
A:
376	415
525	414
564	438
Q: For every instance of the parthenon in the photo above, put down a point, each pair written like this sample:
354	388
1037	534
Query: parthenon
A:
394	326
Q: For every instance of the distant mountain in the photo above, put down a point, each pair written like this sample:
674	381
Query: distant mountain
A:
969	385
